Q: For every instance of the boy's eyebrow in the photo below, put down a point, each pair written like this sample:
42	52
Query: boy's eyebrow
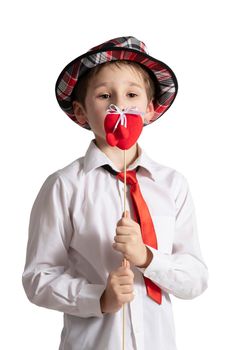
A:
100	84
104	84
137	85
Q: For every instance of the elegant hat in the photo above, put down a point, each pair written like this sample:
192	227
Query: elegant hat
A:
123	48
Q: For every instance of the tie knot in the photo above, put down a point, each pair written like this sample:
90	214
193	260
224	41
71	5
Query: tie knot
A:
131	178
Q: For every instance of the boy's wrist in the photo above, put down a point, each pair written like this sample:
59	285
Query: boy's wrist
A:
149	257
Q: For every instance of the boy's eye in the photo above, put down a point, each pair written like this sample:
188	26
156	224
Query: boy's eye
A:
132	94
104	96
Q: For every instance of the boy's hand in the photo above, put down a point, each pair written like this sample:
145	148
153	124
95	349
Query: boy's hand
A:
128	241
119	289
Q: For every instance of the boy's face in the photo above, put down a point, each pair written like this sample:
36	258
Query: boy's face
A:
123	87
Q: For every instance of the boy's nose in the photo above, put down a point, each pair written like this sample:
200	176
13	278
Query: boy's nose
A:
120	104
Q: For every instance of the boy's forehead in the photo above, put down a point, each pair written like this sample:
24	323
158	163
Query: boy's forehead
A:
112	74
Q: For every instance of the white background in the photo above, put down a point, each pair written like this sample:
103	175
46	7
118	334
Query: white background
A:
38	38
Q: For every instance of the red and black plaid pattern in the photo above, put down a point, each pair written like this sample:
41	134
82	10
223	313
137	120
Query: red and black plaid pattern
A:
123	48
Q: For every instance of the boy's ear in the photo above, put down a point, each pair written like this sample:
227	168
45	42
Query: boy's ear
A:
79	112
149	112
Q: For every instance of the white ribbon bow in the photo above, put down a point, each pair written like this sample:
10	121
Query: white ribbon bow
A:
113	109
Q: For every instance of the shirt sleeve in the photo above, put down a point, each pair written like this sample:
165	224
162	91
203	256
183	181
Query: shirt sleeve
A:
182	273
47	278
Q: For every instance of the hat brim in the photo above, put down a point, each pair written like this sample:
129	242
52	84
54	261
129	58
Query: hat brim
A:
162	75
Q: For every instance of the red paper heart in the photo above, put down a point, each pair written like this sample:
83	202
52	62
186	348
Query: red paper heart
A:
123	137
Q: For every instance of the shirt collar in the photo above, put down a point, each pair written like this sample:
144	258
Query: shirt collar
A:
95	158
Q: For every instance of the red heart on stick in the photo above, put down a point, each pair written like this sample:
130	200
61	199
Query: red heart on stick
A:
122	136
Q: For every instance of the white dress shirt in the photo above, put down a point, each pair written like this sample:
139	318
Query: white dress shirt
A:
70	255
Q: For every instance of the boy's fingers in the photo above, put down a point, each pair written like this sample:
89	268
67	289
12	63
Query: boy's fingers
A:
124	270
124	263
126	289
124	238
120	230
120	247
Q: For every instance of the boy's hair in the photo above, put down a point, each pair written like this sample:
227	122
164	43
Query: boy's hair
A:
80	90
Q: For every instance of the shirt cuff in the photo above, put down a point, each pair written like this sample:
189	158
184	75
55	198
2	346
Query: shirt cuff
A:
158	266
88	300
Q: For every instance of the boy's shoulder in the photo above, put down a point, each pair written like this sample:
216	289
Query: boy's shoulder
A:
164	173
171	181
70	172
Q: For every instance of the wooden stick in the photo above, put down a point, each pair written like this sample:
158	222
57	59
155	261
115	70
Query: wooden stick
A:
124	263
124	183
123	315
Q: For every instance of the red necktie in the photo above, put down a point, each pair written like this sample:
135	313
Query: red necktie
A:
142	216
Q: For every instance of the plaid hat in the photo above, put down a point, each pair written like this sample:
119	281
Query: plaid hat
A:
123	48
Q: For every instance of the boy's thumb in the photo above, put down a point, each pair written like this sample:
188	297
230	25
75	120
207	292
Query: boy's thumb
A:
126	214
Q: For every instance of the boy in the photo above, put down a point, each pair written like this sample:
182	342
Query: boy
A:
77	235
